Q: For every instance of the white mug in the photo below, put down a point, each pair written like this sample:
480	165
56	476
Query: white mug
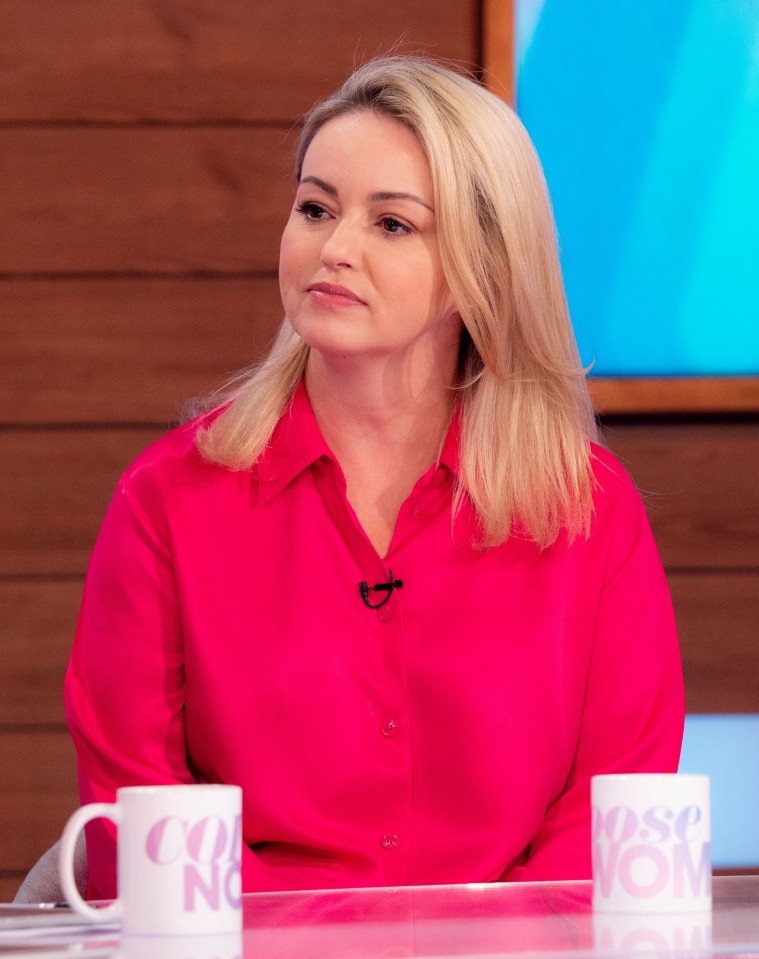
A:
651	843
179	851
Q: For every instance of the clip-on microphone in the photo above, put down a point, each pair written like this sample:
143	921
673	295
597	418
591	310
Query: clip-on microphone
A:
388	588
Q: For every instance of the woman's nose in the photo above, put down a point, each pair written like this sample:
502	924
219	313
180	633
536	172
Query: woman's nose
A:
342	247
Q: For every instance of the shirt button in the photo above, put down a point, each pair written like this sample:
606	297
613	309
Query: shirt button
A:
389	729
419	511
438	477
389	841
385	613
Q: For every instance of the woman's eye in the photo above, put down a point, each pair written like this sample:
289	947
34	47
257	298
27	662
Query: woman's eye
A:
394	227
311	211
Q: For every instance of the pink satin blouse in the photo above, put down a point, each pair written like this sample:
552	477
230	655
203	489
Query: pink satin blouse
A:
448	736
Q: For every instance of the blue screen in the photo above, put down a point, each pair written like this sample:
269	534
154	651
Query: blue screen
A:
726	748
646	117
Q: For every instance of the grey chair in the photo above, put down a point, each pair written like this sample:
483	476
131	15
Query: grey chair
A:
42	883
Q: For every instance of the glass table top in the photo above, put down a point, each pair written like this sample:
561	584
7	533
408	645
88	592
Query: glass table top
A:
551	920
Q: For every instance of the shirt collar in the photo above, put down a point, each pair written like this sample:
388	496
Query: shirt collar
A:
297	443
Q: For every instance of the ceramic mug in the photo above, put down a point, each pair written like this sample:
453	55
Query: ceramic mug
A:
651	843
178	852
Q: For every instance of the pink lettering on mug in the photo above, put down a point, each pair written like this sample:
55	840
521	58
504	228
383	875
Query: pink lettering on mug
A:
207	839
655	820
205	883
604	872
620	823
699	876
642	857
165	842
690	816
660	873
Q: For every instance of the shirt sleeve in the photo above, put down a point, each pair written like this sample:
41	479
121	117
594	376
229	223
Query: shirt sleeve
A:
125	685
633	713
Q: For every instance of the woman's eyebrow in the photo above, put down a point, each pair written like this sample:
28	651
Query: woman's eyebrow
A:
379	197
322	184
389	195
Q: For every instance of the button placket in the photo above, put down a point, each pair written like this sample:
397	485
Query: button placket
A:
390	719
385	613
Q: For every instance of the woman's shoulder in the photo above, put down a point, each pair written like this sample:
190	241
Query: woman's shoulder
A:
617	502
611	477
171	460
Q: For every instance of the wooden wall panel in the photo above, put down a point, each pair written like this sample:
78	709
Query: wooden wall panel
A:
9	883
145	177
699	481
56	487
180	59
36	632
127	350
718	623
150	199
498	48
682	394
39	793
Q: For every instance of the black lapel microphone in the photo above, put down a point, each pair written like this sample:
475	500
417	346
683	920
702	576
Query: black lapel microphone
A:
387	588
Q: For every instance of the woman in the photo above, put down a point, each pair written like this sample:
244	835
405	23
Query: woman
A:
390	586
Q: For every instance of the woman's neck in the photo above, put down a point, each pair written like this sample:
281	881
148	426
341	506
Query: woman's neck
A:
362	405
384	434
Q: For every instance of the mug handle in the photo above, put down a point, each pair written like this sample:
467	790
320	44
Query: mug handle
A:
71	830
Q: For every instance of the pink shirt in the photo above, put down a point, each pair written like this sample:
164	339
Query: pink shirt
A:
447	737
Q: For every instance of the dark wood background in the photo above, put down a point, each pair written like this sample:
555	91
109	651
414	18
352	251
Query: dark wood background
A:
145	175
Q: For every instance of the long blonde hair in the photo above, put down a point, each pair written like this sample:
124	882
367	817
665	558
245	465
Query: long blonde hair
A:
527	419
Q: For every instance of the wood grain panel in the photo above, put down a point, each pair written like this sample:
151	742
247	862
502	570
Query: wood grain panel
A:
39	793
9	883
126	350
498	47
682	394
181	59
700	485
56	486
718	623
36	631
91	200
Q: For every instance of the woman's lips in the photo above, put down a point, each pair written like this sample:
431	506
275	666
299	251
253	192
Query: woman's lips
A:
331	294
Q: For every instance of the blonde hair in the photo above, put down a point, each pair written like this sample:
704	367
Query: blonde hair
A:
527	419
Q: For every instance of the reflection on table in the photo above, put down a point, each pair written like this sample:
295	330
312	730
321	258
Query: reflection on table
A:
505	919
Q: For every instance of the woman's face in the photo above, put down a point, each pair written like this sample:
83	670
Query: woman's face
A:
359	269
